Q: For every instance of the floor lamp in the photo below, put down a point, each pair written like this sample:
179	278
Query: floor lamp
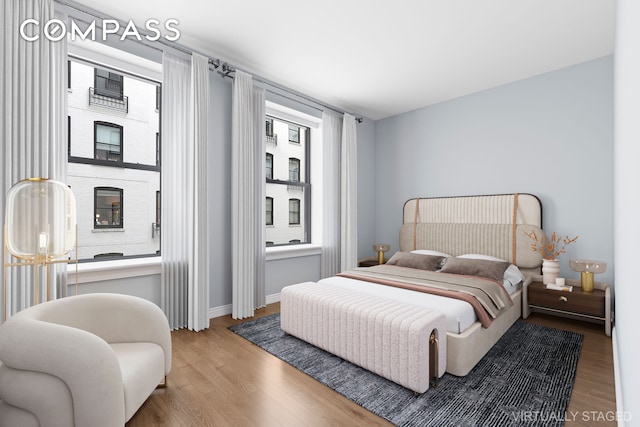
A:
40	229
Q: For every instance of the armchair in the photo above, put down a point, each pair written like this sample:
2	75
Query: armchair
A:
85	360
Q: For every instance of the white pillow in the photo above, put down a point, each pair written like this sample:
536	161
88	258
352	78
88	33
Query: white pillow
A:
429	252
512	274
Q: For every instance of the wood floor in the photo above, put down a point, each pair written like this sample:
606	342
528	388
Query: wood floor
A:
220	379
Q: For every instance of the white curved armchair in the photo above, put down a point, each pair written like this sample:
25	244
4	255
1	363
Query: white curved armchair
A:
85	360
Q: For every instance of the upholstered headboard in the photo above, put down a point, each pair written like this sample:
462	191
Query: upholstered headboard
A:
492	225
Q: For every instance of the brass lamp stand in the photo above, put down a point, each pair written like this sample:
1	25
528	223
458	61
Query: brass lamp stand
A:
37	261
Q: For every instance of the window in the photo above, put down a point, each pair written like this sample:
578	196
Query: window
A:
288	187
294	211
108	139
158	147
294	170
68	135
269	210
294	134
68	74
101	173
269	126
108	207
158	210
269	166
107	83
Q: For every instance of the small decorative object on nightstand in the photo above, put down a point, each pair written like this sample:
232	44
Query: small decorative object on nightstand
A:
550	249
587	268
381	248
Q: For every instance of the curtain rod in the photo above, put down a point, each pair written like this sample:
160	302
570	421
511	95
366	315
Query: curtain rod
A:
227	69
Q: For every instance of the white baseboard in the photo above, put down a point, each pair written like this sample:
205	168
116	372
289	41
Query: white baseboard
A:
225	310
616	378
220	311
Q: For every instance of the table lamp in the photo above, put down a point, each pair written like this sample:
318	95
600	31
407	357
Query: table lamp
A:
587	268
381	248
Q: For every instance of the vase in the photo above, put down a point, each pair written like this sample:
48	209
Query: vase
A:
550	271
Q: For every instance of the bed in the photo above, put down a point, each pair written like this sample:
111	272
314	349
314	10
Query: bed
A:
469	235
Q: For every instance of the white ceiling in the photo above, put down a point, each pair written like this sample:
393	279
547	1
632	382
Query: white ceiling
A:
379	58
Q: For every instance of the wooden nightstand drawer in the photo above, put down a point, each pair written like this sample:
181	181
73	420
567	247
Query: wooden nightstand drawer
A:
589	303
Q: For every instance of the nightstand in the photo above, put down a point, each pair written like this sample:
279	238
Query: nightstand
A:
591	306
369	262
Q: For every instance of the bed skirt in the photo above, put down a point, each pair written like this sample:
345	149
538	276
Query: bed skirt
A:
389	338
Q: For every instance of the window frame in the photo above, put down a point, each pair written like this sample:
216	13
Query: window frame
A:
141	260
269	166
96	225
296	129
104	91
95	141
295	212
269	126
295	162
303	183
268	213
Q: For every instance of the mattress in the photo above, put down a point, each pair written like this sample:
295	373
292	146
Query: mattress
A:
460	314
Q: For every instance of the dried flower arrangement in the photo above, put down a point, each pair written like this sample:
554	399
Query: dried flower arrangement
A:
550	248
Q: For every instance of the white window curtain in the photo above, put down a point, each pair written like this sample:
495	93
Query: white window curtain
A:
32	125
349	195
248	193
185	273
331	138
198	295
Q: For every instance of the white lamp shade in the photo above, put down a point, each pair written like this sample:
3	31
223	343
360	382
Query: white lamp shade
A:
40	218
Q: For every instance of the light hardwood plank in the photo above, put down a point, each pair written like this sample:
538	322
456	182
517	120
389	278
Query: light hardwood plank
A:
221	379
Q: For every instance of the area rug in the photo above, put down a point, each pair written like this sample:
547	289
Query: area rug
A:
525	379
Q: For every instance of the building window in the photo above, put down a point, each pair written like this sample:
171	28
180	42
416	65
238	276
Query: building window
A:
68	135
107	83
294	134
269	126
158	96
288	186
68	74
269	166
294	212
108	142
108	207
294	170
269	210
158	148
158	209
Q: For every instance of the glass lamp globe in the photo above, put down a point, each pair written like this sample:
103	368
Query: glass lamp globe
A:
40	219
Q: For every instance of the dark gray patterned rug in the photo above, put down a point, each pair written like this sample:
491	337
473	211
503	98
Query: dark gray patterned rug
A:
525	379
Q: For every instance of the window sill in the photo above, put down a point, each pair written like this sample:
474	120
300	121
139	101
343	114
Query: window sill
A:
114	269
107	230
294	251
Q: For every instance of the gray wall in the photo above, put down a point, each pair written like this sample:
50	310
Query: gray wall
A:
220	190
550	135
627	210
281	272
